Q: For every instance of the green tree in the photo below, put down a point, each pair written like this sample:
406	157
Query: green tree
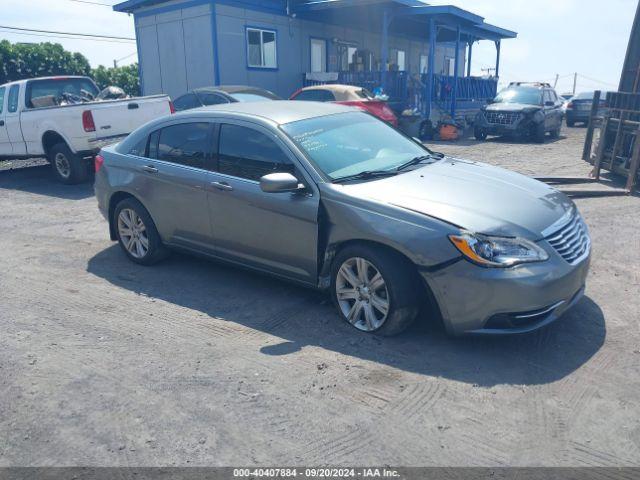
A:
19	61
125	77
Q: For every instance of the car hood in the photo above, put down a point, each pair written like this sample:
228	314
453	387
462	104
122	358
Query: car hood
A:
511	107
471	195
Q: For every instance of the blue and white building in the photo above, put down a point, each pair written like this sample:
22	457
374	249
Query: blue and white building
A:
420	54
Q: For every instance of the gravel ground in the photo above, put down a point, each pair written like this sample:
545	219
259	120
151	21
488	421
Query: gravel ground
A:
104	363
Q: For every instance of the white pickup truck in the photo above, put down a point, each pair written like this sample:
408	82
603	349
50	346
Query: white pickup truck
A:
57	118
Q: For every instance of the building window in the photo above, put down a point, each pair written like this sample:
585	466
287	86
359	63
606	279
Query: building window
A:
261	48
318	55
424	64
449	66
347	57
402	66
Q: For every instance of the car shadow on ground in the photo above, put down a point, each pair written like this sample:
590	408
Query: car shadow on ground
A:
40	180
302	317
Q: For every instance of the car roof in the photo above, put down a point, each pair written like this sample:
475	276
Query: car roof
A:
282	112
231	89
341	92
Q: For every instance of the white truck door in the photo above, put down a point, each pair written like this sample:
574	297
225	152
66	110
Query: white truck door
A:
5	144
12	121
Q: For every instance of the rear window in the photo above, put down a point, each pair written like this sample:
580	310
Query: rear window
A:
589	96
56	89
251	97
315	96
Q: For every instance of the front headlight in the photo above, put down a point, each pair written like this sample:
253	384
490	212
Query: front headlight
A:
498	252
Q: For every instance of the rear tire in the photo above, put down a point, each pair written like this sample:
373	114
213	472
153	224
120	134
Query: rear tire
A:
374	289
68	167
571	123
137	234
556	133
480	134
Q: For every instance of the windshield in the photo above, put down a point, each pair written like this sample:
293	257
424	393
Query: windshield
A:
351	143
252	97
58	88
529	96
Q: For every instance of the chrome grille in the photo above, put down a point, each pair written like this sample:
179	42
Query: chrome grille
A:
502	118
571	241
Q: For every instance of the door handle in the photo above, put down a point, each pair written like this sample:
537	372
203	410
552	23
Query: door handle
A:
132	106
1	123
150	169
222	186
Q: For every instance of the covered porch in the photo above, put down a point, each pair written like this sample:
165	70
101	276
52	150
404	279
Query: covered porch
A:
452	91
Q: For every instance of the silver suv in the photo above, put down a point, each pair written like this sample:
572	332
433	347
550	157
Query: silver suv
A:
332	198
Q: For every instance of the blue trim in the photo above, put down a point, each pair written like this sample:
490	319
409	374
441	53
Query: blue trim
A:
140	77
132	5
326	52
455	75
173	8
246	44
214	46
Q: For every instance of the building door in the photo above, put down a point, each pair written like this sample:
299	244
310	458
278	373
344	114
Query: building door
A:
318	55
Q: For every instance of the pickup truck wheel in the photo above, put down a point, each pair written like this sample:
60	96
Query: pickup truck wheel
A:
68	167
374	290
137	234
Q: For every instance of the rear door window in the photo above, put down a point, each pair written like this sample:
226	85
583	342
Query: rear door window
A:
250	154
212	99
186	102
13	98
183	144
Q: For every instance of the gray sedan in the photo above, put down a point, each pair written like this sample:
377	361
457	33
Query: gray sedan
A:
334	199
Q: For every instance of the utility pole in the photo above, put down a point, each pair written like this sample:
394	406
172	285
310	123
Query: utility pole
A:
115	64
575	81
556	82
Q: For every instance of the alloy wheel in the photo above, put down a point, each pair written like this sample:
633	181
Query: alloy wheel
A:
62	165
362	294
133	233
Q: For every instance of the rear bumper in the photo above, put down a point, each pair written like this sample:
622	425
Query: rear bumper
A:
486	301
578	115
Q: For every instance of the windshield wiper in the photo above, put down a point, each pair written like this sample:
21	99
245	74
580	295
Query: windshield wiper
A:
366	174
416	161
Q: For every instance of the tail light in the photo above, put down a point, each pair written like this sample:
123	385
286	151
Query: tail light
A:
98	162
87	121
570	106
172	107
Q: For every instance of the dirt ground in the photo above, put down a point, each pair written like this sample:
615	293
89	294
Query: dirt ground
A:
105	363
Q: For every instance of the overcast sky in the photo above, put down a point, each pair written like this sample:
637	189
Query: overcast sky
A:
554	36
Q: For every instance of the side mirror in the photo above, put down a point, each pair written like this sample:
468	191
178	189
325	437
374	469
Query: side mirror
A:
549	104
279	182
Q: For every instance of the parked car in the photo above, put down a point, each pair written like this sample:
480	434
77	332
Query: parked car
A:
334	199
207	96
579	107
58	119
524	110
348	95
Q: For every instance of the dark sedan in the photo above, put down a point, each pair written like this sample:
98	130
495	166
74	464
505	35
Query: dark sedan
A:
579	107
206	96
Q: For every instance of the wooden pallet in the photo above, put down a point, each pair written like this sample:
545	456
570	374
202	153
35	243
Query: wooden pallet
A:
618	148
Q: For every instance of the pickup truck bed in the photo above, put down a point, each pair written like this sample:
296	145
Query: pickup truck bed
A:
68	134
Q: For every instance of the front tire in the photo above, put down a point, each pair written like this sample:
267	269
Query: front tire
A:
67	167
137	234
374	290
539	133
480	134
